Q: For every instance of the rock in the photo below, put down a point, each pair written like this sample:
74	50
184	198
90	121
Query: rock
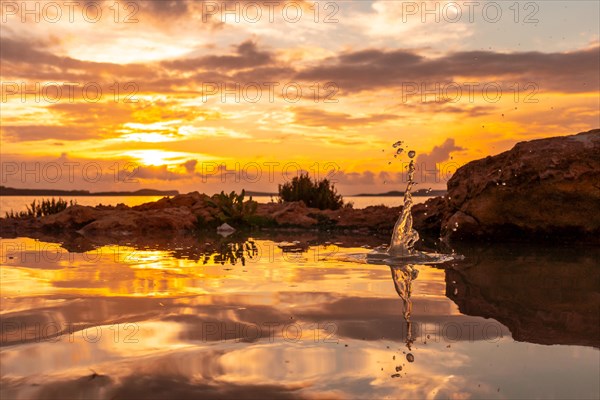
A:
73	217
427	217
373	217
225	230
189	200
293	214
547	189
153	222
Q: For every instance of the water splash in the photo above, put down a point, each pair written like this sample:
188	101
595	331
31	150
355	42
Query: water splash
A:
404	236
402	245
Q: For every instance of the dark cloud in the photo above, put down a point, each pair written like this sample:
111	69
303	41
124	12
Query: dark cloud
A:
31	60
165	8
25	133
379	69
447	107
438	154
335	120
190	166
371	69
264	74
247	56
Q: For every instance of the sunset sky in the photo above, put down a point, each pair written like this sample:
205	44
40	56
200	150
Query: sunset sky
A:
526	70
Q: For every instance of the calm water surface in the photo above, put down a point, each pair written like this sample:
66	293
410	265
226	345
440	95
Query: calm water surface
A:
248	318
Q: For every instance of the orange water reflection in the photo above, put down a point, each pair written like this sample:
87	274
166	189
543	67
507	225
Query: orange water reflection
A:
119	322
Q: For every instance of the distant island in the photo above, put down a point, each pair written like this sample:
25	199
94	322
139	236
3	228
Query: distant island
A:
394	193
7	191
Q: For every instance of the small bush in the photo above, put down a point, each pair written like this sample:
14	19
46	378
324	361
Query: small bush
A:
232	209
315	194
41	208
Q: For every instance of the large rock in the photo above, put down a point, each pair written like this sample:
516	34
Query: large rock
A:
73	217
546	189
152	222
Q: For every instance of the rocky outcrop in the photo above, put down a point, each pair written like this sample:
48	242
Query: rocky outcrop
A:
542	189
192	212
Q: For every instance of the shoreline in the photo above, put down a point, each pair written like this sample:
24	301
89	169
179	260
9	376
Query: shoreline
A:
518	195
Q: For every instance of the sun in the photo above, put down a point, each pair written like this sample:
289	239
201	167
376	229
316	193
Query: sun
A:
159	157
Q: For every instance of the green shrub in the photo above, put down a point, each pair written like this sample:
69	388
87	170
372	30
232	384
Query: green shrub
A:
315	194
42	208
232	209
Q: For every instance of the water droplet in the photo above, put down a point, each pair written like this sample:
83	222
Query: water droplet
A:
390	163
412	154
400	150
398	368
397	144
396	376
410	357
393	357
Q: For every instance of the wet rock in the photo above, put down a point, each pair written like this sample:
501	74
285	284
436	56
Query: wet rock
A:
538	190
428	217
376	218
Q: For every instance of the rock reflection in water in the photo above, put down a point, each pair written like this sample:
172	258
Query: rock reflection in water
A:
546	296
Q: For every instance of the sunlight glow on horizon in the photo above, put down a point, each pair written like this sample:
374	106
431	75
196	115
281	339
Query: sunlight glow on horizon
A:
158	107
